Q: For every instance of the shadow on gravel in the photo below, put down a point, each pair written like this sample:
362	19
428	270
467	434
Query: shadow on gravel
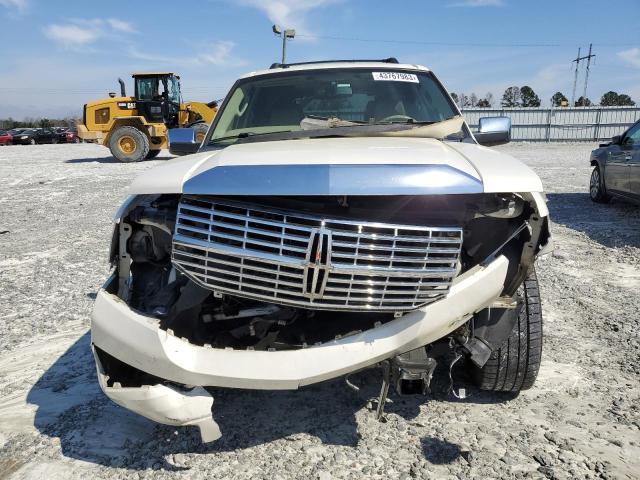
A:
440	452
93	160
112	159
71	408
616	224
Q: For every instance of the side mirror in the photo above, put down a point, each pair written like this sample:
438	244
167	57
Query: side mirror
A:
493	131
182	141
616	140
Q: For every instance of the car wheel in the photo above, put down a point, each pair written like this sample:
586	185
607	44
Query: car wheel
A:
76	140
596	187
32	141
128	144
514	366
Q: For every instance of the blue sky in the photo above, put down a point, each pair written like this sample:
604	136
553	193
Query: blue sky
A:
56	55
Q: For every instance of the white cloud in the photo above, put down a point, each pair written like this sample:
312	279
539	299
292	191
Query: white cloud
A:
19	6
288	13
478	3
80	32
121	25
71	35
133	52
631	56
217	53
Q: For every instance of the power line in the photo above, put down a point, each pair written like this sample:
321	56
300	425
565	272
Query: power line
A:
455	44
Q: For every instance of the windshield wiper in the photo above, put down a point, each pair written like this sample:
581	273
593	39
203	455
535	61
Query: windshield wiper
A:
346	131
313	122
244	135
412	121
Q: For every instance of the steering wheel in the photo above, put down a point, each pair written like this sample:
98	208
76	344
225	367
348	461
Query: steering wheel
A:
393	118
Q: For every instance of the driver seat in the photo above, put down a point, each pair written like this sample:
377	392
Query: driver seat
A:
383	107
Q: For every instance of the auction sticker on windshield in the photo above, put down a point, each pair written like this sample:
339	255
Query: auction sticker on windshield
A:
395	76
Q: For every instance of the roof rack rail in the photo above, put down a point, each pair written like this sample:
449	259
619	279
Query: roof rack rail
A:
287	65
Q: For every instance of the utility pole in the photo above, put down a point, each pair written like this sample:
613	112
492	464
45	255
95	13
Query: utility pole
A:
284	34
586	76
575	77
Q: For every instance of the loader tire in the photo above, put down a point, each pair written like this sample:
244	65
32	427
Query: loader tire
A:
152	154
128	144
200	130
514	366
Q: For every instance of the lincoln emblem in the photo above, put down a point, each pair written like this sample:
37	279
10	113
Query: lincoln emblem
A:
317	263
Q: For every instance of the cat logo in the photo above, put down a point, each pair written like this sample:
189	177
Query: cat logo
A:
127	105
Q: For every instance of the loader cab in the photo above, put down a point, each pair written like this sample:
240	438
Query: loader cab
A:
158	97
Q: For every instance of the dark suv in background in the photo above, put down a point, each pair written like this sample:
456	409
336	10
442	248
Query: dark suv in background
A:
616	171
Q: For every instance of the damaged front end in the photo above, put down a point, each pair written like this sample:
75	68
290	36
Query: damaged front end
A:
278	292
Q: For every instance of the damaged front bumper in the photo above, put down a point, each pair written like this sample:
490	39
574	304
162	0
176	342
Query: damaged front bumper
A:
138	341
164	404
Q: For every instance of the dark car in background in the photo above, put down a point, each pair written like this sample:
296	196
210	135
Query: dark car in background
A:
616	168
14	132
5	138
32	136
67	135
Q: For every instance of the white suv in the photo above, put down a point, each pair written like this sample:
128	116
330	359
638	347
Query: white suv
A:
337	216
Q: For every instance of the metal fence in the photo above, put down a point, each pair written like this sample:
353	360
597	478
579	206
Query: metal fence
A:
560	124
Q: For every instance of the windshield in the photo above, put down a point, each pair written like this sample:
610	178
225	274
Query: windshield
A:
280	102
174	89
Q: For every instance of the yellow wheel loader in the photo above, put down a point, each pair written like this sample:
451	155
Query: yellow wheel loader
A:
135	128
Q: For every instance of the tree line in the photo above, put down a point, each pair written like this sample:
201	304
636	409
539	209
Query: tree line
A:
29	122
526	97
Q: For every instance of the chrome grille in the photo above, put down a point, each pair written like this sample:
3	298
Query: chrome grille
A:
310	261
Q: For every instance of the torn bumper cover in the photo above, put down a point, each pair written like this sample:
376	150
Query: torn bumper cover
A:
138	341
164	404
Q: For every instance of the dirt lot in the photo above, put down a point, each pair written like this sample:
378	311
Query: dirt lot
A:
581	420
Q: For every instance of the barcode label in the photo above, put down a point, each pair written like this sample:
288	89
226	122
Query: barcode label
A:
395	77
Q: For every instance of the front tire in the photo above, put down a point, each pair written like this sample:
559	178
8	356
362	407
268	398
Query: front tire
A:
153	154
597	190
32	141
514	366
128	144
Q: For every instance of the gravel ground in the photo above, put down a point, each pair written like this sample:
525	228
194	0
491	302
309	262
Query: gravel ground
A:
581	420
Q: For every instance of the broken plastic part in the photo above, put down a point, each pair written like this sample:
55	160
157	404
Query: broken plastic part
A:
478	350
384	390
165	404
412	372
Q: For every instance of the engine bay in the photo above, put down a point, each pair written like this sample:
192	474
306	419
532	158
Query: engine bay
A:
149	282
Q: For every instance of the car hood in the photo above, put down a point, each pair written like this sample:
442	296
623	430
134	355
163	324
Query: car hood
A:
341	166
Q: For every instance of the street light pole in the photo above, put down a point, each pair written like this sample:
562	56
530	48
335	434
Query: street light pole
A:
284	34
284	48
